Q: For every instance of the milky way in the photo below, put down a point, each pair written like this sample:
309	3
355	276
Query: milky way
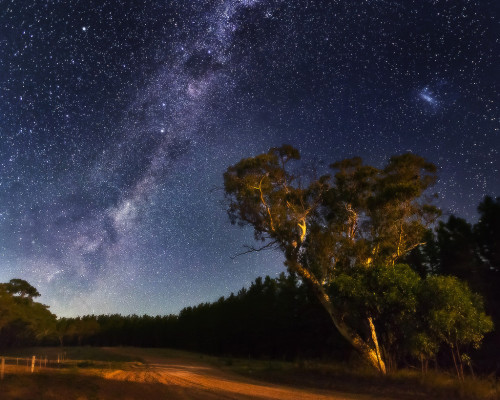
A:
118	120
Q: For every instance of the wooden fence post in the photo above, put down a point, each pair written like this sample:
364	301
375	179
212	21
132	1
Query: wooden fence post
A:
33	360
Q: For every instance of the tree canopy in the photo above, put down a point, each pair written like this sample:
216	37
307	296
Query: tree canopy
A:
340	230
22	320
19	287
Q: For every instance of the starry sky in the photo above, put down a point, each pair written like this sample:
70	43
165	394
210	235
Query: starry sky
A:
118	119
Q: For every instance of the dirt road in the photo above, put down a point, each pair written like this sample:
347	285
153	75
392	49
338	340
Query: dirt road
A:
163	377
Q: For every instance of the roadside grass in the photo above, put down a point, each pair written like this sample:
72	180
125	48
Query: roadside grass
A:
85	353
79	376
402	384
84	366
353	378
71	358
49	384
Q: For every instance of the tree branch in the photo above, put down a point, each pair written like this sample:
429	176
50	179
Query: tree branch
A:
251	249
263	201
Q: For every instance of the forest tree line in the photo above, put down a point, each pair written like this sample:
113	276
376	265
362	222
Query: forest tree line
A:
345	234
276	318
370	269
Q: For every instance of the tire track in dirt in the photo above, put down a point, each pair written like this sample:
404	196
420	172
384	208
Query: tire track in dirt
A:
188	379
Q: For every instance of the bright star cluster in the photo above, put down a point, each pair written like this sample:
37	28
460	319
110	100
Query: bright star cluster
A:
117	120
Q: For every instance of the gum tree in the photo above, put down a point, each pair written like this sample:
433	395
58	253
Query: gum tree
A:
359	216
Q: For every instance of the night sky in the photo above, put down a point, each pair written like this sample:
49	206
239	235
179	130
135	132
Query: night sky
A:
118	119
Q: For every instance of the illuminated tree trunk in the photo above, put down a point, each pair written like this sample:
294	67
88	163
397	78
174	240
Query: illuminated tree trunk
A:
370	354
375	343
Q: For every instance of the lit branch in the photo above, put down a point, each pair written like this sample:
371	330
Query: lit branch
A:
259	188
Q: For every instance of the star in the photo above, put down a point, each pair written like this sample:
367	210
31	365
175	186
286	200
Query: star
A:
110	148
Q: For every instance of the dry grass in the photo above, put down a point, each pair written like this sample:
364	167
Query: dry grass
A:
119	373
402	384
72	353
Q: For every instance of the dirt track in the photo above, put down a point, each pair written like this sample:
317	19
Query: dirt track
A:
174	378
163	375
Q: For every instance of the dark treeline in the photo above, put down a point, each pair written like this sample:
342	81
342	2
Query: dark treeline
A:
279	318
276	318
471	252
272	318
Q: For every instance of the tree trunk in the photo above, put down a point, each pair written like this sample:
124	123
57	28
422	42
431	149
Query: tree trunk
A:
371	355
455	363
375	343
460	362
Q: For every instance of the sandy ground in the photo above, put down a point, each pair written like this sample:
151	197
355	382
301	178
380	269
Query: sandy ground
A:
188	379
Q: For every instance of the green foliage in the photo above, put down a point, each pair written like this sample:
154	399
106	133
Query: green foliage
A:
20	288
388	295
279	318
359	217
7	307
378	290
415	316
471	253
377	216
344	234
454	314
22	320
263	194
